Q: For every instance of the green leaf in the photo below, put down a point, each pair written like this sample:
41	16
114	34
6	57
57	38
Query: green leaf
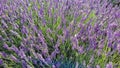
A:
57	23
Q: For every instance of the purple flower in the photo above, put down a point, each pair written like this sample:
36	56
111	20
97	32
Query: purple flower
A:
24	64
41	12
14	58
118	47
4	24
99	52
109	65
57	65
77	64
53	66
113	26
3	54
74	41
6	46
41	58
53	54
35	28
101	44
24	30
80	49
92	24
117	34
14	48
48	59
57	45
91	59
109	44
1	61
89	66
22	54
1	38
34	61
14	32
66	33
97	66
93	42
49	30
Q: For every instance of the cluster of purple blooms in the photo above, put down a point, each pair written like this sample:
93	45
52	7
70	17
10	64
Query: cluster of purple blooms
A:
45	30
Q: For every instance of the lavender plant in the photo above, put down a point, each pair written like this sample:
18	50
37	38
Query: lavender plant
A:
40	33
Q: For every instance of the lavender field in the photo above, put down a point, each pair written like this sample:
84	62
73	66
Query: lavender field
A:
59	34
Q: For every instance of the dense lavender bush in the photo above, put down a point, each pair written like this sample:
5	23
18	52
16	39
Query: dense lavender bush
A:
41	33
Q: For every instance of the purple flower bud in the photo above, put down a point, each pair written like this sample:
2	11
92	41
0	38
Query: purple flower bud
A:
4	24
97	66
34	61
49	30
74	42
41	12
109	65
88	66
66	33
1	61
99	51
91	59
76	66
1	38
14	48
80	49
118	47
48	59
53	66
113	26
14	58
35	28
57	45
24	30
53	54
14	32
22	54
101	44
24	64
117	34
3	54
6	46
41	58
